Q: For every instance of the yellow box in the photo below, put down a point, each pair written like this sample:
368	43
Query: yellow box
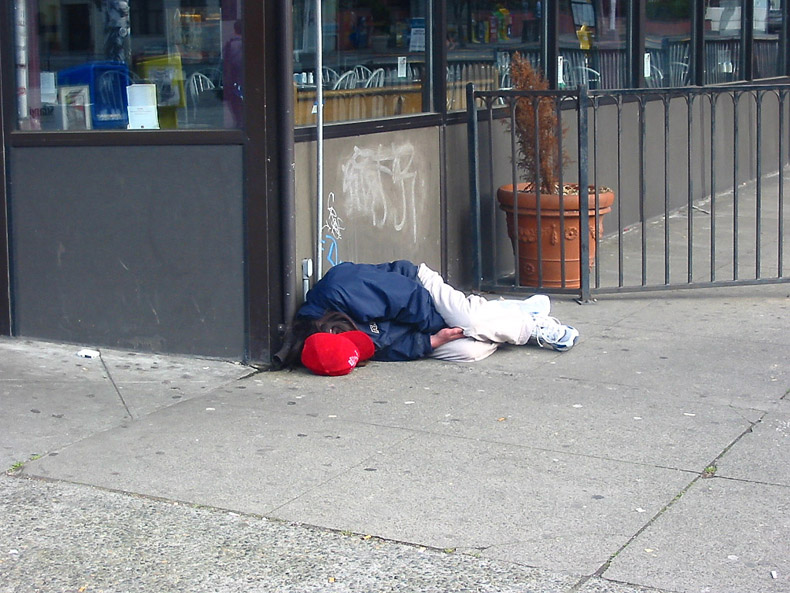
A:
168	76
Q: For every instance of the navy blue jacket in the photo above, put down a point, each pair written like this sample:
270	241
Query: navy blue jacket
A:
386	301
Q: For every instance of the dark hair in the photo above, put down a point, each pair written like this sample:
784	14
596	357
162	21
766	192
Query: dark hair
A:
331	322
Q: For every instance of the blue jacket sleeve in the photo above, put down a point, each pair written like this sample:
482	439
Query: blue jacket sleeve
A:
407	345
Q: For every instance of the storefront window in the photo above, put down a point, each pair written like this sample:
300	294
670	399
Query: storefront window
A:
667	43
767	26
722	41
592	44
128	64
373	59
482	35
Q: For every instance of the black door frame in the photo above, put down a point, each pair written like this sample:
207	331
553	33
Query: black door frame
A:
264	268
5	107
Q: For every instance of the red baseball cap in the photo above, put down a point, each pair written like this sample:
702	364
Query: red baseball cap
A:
336	354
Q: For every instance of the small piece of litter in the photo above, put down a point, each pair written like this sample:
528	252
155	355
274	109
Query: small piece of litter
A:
88	353
649	550
640	510
732	557
578	406
774	574
637	417
408	403
210	409
688	414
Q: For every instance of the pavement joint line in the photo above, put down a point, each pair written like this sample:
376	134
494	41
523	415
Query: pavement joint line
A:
559	452
115	386
747	481
342	472
700	476
427	431
585	579
142	496
267	517
348	533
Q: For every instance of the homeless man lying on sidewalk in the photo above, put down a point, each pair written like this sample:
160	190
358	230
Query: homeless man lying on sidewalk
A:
401	311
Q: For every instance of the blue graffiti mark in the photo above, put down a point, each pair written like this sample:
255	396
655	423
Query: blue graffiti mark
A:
333	229
332	250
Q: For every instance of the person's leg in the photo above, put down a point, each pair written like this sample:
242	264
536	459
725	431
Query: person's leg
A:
506	321
481	319
464	350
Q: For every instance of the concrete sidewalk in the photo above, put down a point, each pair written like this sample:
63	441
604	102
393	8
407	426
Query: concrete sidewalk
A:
654	456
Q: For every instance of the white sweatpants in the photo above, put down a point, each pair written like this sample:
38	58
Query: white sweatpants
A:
485	323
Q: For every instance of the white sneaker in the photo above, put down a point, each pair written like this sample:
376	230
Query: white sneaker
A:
550	333
537	304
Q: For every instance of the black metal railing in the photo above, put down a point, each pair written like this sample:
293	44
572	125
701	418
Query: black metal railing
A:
698	173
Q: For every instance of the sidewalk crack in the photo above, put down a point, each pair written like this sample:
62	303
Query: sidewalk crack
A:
703	475
115	386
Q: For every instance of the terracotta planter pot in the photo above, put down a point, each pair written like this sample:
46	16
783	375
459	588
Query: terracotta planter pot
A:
552	263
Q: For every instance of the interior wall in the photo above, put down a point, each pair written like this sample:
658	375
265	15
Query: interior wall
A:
137	247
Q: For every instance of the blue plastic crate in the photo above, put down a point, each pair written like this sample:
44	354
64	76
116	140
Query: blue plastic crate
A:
106	82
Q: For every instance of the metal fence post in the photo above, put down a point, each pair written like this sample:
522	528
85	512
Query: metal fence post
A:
584	195
474	185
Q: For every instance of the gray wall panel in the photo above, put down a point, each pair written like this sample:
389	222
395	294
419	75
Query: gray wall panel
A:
133	247
381	198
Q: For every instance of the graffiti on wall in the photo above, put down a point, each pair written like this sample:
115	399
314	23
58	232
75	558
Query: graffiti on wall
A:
382	184
332	232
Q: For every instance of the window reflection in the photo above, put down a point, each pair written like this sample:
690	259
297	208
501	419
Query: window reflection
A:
667	43
120	64
722	41
592	44
767	26
373	59
482	35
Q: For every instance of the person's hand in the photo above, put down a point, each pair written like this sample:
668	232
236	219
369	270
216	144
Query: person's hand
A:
448	334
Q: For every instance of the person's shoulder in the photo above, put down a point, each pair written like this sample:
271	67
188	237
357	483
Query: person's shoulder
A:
348	269
340	269
404	267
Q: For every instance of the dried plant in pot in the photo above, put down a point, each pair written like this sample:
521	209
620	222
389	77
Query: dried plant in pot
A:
540	159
